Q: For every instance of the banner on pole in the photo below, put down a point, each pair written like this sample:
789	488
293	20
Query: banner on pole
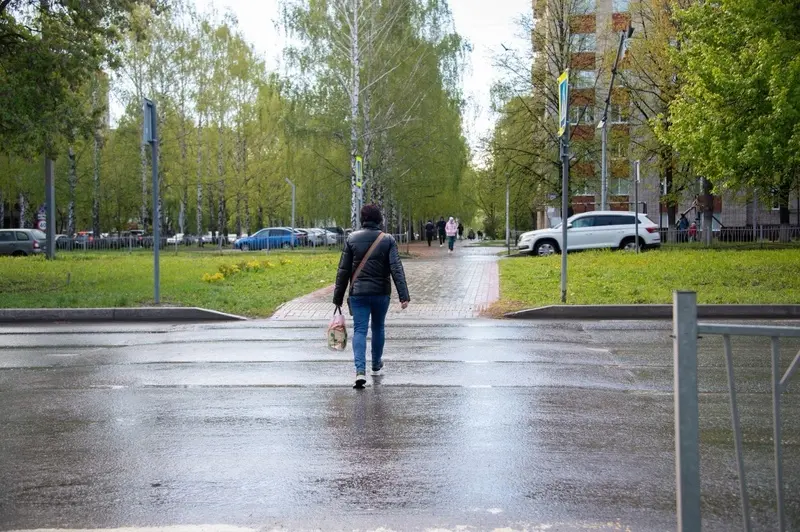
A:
359	171
563	101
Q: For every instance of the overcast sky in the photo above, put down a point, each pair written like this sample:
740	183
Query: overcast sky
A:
485	23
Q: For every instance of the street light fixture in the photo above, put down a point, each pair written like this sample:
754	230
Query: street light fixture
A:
623	36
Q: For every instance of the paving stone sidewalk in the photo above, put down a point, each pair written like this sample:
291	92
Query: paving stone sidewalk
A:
443	286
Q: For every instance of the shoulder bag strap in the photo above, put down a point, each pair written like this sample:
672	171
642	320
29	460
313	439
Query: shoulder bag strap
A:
366	258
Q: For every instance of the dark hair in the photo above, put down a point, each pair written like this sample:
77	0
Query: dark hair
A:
371	213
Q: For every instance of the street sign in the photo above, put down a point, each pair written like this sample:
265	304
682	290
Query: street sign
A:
149	129
359	171
563	101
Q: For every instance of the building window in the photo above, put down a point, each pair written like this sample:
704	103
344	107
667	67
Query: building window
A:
776	199
584	79
583	7
583	42
581	114
618	148
620	187
587	188
621	6
618	113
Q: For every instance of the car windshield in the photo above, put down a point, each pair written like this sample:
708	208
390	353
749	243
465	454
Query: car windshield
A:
38	235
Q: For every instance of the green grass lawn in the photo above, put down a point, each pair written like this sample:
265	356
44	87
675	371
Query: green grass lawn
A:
606	277
262	283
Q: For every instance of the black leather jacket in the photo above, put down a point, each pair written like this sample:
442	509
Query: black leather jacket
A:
374	277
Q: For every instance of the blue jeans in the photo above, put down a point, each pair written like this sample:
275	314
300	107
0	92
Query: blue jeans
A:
363	307
451	240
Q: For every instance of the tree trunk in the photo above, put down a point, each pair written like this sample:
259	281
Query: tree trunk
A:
355	90
707	200
199	214
96	186
96	167
785	234
672	205
72	179
221	218
23	210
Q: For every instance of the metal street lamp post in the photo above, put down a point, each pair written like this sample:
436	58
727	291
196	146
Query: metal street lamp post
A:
623	36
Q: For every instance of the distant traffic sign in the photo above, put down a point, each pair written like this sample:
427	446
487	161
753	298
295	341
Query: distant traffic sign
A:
563	101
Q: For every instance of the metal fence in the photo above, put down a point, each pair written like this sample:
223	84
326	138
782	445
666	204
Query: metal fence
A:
762	236
192	243
687	454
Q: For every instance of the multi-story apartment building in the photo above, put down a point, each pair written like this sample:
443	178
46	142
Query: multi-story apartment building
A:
592	28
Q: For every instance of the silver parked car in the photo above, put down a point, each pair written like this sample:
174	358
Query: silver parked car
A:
22	242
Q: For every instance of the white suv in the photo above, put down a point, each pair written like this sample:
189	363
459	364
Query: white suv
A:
591	230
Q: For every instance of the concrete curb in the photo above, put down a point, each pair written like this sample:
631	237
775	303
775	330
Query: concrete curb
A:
133	314
656	312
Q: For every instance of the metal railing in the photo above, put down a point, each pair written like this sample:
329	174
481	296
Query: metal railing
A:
763	236
687	455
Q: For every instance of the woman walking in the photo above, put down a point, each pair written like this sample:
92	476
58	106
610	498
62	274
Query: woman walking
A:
452	231
369	259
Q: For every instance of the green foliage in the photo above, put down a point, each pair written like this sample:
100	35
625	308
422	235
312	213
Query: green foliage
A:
606	277
385	89
109	280
49	51
737	117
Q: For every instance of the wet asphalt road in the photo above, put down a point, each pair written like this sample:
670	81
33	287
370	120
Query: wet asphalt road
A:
484	424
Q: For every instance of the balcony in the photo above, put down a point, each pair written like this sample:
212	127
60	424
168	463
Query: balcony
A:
583	23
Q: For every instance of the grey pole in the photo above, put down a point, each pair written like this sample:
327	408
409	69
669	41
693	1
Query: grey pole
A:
508	222
687	453
623	36
636	206
604	167
294	198
776	435
564	206
755	216
156	228
50	206
150	136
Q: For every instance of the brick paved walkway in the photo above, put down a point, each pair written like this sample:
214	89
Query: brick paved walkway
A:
442	286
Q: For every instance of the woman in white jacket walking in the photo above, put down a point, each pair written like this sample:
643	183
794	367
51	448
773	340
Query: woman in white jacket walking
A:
452	232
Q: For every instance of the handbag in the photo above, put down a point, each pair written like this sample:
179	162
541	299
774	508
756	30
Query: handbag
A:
337	332
361	267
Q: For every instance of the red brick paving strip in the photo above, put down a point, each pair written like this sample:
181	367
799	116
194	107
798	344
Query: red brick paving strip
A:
443	286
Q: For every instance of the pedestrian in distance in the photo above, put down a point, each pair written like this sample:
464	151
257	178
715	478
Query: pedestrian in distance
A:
369	262
693	232
430	229
440	225
682	225
452	232
460	230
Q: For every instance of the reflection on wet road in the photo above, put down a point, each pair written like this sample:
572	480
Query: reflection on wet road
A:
485	424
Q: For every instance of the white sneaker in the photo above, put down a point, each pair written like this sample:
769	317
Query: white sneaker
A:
379	371
440	245
361	380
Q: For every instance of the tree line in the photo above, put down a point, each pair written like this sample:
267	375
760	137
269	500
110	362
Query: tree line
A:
374	79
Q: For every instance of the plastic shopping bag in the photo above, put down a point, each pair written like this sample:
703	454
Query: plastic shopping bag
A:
337	331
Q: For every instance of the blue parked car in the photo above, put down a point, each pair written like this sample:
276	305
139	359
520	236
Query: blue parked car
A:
269	238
